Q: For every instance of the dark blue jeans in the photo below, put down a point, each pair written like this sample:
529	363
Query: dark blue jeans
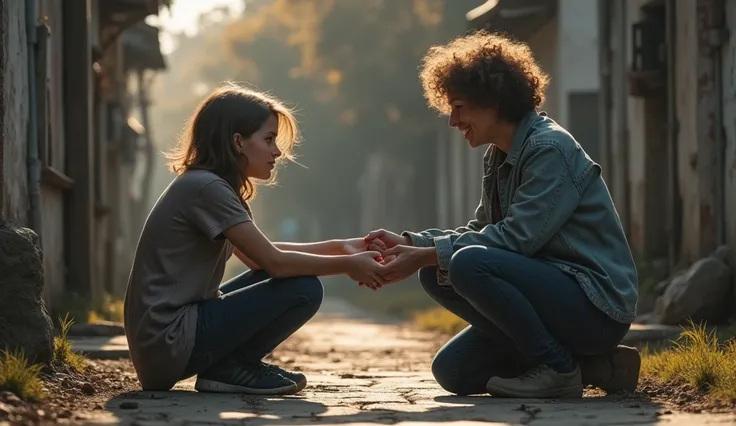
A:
255	314
522	312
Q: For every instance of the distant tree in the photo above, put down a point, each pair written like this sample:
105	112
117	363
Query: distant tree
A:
349	67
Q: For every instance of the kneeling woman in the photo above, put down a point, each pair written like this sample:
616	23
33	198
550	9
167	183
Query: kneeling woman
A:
179	321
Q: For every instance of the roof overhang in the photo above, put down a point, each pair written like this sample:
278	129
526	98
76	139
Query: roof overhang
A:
517	18
141	48
125	13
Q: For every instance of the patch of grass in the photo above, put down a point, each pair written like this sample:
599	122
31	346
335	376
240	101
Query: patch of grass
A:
697	359
63	352
439	319
20	377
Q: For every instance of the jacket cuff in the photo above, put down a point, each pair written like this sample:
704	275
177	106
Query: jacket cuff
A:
444	249
418	240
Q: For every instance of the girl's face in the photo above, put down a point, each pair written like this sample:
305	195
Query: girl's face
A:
259	152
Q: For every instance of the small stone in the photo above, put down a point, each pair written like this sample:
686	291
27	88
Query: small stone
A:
128	405
98	407
65	414
88	389
40	413
10	398
5	409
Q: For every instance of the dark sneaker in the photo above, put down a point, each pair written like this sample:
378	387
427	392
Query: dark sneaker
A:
538	382
298	378
613	372
255	379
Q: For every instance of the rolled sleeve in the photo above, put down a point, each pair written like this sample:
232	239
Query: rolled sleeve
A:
417	239
445	250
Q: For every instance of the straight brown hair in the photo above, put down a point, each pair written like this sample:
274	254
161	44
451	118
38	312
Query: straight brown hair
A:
206	143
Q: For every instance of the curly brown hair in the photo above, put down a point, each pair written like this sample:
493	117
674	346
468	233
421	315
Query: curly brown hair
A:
486	70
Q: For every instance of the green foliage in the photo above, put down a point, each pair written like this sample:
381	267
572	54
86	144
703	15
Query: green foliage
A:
63	352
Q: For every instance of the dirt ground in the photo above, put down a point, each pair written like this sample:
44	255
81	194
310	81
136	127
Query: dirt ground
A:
361	371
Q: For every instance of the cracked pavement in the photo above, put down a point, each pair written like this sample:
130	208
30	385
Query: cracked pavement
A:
364	370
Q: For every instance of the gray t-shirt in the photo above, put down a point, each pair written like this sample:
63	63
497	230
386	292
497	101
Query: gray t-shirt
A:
180	261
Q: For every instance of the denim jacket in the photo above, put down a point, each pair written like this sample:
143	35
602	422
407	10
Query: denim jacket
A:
555	207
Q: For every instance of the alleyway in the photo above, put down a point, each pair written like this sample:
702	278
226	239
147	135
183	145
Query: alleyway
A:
368	371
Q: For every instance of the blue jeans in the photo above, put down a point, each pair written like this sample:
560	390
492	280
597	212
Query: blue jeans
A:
255	314
522	312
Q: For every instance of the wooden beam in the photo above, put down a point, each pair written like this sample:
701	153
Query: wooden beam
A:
78	124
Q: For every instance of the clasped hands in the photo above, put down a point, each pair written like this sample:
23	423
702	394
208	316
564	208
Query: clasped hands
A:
397	261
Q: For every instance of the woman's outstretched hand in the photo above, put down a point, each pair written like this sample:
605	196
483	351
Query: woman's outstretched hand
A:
366	268
403	261
382	239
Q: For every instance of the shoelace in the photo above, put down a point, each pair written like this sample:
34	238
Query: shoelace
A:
274	368
533	373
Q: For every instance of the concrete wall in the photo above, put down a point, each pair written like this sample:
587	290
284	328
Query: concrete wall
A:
15	115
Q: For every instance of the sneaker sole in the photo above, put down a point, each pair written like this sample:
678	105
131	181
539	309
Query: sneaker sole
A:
570	392
211	386
301	385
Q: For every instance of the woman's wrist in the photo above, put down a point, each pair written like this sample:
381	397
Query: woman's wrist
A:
428	256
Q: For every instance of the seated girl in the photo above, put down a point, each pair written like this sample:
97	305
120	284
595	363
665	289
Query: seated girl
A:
179	321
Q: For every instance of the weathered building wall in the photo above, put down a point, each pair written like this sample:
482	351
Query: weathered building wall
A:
577	66
3	41
619	139
635	140
15	113
689	136
52	221
53	154
544	45
729	124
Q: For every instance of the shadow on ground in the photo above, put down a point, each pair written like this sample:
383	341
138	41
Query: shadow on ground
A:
203	408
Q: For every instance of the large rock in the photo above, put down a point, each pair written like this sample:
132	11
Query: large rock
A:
24	321
699	293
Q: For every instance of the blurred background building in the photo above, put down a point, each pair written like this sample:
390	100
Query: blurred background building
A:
646	87
74	151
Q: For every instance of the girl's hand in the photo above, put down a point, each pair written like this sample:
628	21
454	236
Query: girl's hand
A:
365	268
386	239
352	246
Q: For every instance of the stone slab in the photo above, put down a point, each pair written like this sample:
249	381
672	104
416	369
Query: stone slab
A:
100	347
